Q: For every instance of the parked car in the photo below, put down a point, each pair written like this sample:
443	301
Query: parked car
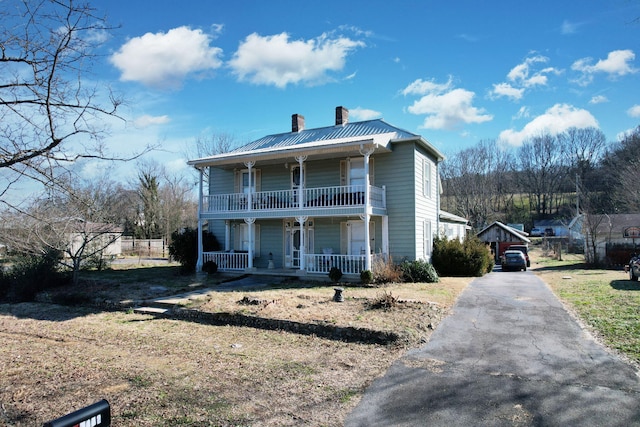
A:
522	248
536	232
549	231
514	260
633	268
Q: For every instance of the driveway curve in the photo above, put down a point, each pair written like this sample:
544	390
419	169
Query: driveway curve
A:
509	354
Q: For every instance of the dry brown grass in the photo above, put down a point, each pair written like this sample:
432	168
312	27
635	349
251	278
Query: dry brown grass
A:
161	372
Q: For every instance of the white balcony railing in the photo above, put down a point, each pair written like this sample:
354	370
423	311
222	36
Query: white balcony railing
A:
323	197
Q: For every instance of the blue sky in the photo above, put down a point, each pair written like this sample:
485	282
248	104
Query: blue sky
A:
456	72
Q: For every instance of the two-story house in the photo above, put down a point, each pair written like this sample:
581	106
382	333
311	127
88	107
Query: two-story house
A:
338	196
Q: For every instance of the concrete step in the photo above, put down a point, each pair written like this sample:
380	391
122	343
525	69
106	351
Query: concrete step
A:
150	310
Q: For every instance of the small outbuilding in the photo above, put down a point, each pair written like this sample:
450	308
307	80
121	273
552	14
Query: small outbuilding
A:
499	237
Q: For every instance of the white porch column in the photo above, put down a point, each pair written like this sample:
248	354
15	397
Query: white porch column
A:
250	165
251	223
366	152
303	243
303	185
227	235
200	250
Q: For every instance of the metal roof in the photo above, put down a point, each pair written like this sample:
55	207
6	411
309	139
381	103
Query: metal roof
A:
357	129
324	140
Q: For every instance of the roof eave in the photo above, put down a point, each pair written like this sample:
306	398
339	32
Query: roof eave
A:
426	144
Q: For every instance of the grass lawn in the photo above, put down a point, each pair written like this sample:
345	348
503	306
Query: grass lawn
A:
606	301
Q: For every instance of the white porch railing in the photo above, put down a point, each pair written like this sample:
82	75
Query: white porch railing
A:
348	264
322	197
228	261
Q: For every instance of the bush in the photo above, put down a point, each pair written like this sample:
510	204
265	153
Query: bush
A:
31	274
210	267
366	277
419	271
184	247
385	271
461	259
335	274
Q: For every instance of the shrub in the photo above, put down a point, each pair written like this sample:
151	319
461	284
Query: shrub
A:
31	274
335	274
366	277
455	258
384	301
419	271
184	247
385	271
210	267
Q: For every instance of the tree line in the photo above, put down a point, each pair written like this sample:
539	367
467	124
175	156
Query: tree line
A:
550	176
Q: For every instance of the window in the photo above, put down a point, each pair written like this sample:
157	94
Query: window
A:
242	239
242	181
426	178
427	240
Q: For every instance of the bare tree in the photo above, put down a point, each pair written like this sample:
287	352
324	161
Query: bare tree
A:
81	222
476	183
542	165
49	114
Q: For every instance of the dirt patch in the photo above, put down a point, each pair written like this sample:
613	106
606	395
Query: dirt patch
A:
163	372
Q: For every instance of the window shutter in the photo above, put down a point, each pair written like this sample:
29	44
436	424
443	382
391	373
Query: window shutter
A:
258	178
343	172
344	239
237	188
256	241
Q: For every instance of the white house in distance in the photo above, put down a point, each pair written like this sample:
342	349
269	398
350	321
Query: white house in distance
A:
311	199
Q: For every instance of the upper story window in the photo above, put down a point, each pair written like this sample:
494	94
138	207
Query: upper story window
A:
242	181
356	171
426	178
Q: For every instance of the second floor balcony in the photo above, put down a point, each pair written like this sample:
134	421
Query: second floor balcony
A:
345	199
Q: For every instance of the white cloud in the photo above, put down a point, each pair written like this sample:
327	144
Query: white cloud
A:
634	111
277	60
364	114
522	77
445	108
598	99
422	87
176	165
147	120
555	120
165	59
505	89
569	27
523	113
617	64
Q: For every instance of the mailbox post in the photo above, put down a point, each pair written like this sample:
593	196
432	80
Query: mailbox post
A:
96	415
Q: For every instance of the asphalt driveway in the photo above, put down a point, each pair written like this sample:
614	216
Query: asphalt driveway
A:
508	355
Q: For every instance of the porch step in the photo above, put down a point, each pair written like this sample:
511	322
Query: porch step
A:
150	310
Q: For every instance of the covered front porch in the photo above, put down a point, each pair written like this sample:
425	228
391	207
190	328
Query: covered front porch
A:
313	263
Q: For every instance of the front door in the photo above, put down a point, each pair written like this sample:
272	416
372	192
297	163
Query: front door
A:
292	249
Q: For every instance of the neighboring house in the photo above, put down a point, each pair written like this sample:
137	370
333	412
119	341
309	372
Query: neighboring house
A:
610	238
311	199
560	227
453	226
95	237
500	236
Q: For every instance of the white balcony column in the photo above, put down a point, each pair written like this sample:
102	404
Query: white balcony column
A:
303	184
200	250
303	243
252	230
249	166
367	152
227	235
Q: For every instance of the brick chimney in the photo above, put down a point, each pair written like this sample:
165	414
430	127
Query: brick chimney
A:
342	116
297	123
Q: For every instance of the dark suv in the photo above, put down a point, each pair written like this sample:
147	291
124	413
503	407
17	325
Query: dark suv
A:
522	248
